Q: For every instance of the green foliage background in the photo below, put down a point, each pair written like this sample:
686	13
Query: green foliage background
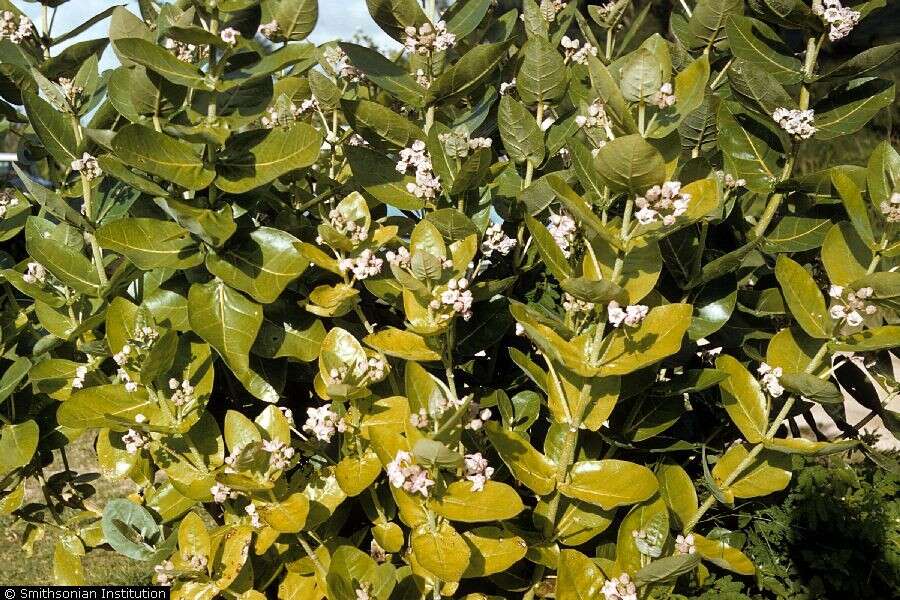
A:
291	296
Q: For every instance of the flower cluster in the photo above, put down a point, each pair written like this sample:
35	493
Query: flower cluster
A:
429	38
419	420
851	306
366	265
251	511
427	184
495	240
164	572
88	166
770	379
619	588
576	52
7	200
477	417
551	8
269	30
353	230
574	305
840	19
477	470
322	422
406	475
891	208
35	273
363	591
280	454
606	11
684	544
596	116
731	183
401	258
506	86
457	296
287	115
666	202
631	316
71	91
186	52
338	61
798	123
230	36
221	492
182	393
665	97
563	229
459	144
80	373
15	28
366	371
134	441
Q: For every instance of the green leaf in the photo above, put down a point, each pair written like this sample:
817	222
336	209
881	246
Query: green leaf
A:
296	19
867	62
677	490
642	75
526	464
228	322
659	335
542	75
356	473
521	135
630	164
465	20
553	258
106	406
130	529
53	128
255	158
812	388
847	109
288	515
402	344
378	176
707	23
757	87
161	61
493	550
609	483
18	443
667	568
803	297
150	243
12	376
769	472
809	447
161	155
441	550
758	44
262	264
752	148
496	502
387	75
468	73
721	554
393	16
577	577
796	234
743	399
856	207
370	118
65	262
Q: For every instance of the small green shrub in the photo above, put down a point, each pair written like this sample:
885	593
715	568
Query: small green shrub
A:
528	310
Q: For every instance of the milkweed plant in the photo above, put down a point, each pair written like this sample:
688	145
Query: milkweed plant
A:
525	309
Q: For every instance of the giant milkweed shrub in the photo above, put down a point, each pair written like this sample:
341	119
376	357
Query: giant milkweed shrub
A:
524	311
